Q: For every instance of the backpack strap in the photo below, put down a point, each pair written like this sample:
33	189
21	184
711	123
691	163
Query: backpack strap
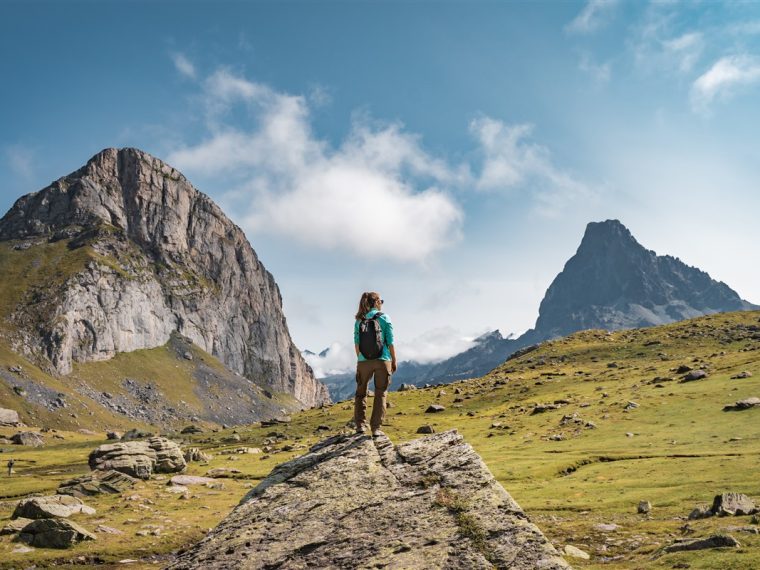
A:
378	314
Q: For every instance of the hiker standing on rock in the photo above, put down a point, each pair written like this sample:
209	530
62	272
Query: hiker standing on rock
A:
373	341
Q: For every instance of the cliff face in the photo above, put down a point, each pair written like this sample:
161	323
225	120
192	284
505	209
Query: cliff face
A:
612	282
355	502
147	254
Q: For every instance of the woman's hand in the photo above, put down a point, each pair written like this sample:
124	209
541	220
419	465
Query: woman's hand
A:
393	365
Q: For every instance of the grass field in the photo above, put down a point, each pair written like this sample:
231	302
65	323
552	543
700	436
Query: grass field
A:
675	448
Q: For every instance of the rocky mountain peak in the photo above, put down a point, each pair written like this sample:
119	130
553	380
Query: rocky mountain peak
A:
153	256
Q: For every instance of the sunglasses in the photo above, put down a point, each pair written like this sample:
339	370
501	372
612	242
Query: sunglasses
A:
381	301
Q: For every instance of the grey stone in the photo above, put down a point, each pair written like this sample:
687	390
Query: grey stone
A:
714	541
139	459
14	526
575	552
695	375
53	533
28	438
193	454
96	483
184	480
745	404
406	387
52	506
9	418
426	429
434	408
336	507
733	504
742	375
644	507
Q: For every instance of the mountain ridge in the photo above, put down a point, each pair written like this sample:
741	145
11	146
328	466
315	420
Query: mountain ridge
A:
142	254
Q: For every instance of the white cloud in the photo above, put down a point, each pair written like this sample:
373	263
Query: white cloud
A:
593	16
20	159
723	78
510	160
684	50
600	72
378	194
183	65
430	347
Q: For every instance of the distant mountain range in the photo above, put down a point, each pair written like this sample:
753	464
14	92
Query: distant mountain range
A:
612	282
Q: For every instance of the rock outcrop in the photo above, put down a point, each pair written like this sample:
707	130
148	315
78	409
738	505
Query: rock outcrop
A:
9	418
52	506
150	255
352	502
96	483
53	533
139	458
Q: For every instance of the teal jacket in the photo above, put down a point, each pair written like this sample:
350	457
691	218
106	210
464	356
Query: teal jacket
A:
386	326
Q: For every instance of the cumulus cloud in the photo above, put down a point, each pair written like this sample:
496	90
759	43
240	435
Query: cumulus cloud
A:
183	65
377	194
511	160
722	79
592	17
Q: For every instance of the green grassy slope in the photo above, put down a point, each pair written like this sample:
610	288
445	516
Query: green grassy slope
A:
677	449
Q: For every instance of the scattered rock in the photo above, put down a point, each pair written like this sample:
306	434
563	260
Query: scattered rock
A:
193	454
191	429
113	435
136	434
745	404
733	504
541	408
187	355
96	483
177	489
223	473
9	418
700	513
29	438
14	526
606	527
427	429
631	406
184	480
103	529
232	438
714	541
434	408
695	375
51	506
644	507
139	458
405	387
741	375
53	533
683	369
574	552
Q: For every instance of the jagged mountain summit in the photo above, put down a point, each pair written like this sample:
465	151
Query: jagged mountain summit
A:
613	282
132	253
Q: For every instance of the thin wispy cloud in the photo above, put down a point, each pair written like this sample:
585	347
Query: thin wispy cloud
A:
723	79
592	17
20	160
183	65
289	182
599	72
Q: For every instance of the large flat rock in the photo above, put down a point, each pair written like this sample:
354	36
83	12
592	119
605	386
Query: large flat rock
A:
352	502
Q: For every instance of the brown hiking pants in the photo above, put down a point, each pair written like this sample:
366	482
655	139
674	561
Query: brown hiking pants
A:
365	369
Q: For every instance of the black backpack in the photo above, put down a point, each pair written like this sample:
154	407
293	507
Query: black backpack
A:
371	337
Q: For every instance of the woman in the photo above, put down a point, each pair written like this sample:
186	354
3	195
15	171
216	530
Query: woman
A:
381	366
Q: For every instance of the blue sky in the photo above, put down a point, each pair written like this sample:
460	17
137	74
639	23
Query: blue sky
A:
446	154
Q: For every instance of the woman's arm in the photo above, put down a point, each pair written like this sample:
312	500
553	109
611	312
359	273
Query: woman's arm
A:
394	365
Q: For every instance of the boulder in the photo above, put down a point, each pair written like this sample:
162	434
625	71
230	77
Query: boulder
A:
714	541
733	504
136	434
223	472
96	483
644	507
694	375
406	387
9	418
285	521
426	429
196	455
53	533
139	458
29	438
575	552
52	506
14	526
113	435
191	429
434	409
742	375
184	480
745	404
